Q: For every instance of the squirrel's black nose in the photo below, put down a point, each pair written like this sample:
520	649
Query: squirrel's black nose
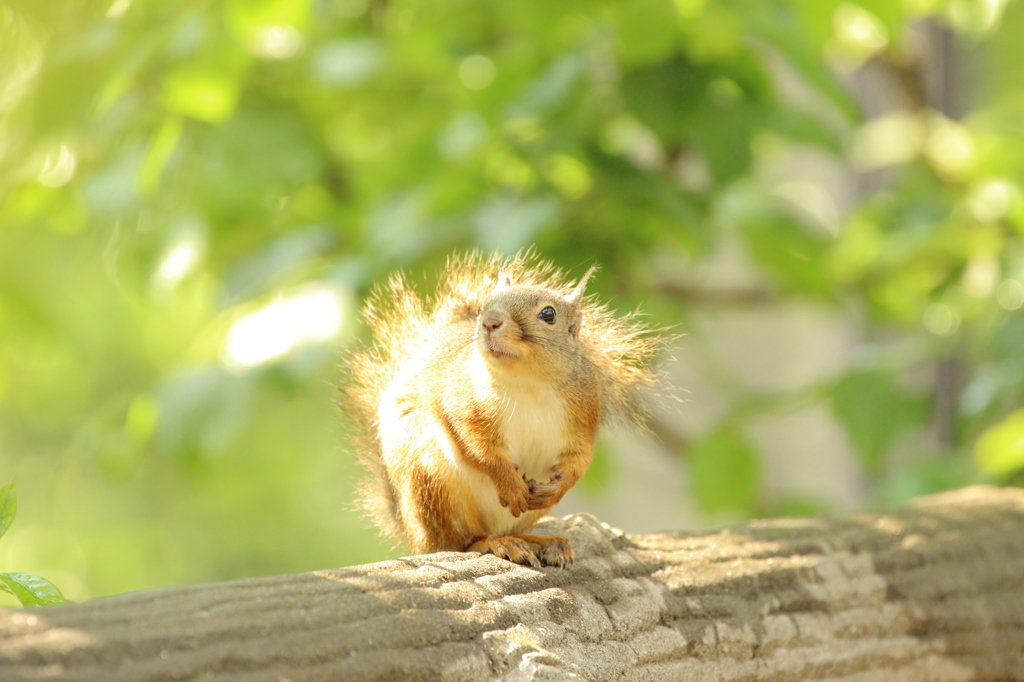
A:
491	323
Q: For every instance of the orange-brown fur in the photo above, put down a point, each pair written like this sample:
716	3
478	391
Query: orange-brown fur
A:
479	407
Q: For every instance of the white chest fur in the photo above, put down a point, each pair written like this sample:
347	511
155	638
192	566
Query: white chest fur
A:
533	424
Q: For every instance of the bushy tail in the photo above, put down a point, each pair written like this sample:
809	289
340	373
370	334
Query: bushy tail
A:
397	320
623	351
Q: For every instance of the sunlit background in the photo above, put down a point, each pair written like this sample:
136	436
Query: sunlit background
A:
824	198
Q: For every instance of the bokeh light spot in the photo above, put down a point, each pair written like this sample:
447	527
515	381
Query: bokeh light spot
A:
1010	294
178	262
859	34
118	8
941	319
569	176
58	169
476	72
313	315
981	276
950	148
887	141
991	199
277	42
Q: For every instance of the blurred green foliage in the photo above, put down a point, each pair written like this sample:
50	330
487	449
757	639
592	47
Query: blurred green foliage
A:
30	590
194	196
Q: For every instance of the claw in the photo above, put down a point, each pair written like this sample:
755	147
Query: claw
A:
507	547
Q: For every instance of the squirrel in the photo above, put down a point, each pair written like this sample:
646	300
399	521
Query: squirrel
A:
477	409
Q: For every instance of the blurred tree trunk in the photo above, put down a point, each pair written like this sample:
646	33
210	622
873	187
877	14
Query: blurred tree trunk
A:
937	73
934	591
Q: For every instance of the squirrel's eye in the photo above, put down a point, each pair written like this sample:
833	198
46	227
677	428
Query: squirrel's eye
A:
547	315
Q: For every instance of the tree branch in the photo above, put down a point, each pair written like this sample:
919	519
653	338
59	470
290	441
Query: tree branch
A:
934	591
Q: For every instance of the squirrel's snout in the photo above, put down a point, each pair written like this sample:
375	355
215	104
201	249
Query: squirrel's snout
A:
494	335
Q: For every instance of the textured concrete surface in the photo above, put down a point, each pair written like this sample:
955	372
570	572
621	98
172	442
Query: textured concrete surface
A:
931	592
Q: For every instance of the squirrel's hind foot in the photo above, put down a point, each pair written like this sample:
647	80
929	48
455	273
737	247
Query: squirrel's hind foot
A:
507	547
527	550
552	550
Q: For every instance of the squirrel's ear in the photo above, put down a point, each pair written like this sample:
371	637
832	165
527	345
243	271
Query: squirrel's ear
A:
504	281
574	300
577	294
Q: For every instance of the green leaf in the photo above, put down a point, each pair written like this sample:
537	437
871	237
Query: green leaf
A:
509	224
161	147
142	418
204	94
550	90
666	97
251	20
928	473
795	506
8	507
1006	342
715	33
207	87
792	255
1000	450
815	20
723	134
646	29
874	411
725	472
202	411
800	39
800	126
31	590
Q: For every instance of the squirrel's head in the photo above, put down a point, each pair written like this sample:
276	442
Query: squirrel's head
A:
529	329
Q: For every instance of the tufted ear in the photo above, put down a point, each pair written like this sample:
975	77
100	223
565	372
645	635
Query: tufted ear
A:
504	281
577	294
574	300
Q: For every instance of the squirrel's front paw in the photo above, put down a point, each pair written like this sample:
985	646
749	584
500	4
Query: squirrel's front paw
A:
515	497
543	495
